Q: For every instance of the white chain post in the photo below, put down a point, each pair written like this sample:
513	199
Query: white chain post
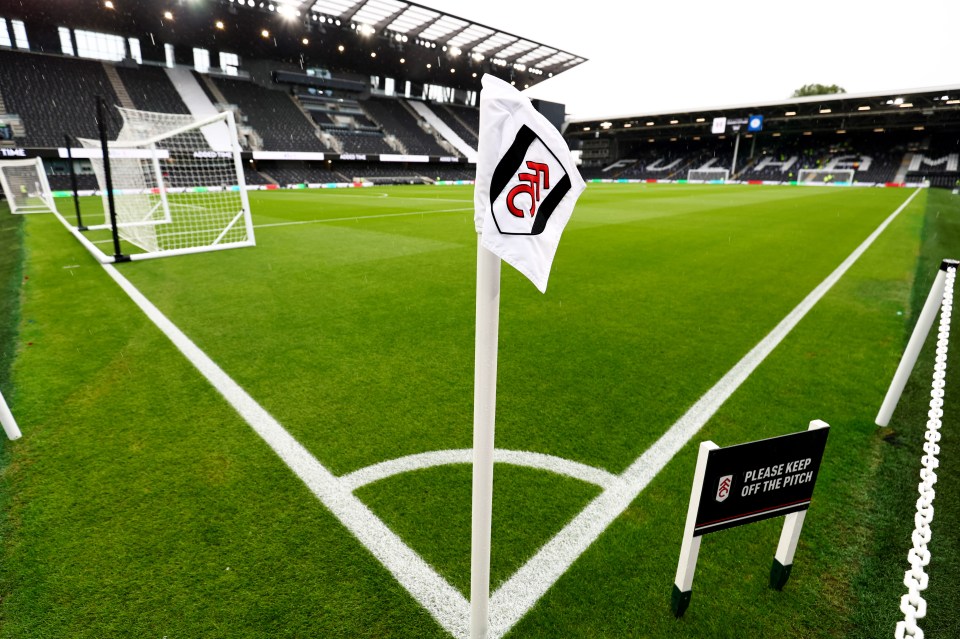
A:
913	604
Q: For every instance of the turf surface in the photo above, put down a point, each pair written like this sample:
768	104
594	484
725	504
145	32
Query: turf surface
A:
141	505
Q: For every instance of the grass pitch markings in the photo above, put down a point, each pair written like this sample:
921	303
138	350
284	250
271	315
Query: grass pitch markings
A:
521	591
450	610
419	461
360	217
432	591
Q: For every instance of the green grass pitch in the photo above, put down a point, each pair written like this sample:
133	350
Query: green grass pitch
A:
139	504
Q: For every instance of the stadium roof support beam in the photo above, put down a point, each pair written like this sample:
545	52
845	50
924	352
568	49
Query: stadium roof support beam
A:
519	54
453	34
413	33
383	24
493	52
347	15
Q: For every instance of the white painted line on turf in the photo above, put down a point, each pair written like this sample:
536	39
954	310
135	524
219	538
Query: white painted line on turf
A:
519	593
420	461
447	605
361	217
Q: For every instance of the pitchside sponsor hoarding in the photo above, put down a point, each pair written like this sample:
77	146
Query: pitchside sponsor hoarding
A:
759	480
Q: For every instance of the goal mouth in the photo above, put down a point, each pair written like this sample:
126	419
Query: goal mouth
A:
25	187
177	185
708	176
826	177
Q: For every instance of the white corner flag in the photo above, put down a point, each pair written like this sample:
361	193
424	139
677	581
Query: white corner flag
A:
525	191
527	183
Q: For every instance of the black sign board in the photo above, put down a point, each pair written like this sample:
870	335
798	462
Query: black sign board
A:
759	480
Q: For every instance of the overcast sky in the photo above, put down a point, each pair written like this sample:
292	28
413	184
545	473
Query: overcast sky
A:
680	54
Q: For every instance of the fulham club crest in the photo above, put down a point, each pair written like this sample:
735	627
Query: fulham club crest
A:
527	185
723	487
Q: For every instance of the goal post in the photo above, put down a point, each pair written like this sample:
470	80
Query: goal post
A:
178	185
842	177
719	176
24	184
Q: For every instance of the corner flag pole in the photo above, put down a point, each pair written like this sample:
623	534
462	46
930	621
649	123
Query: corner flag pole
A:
7	421
484	418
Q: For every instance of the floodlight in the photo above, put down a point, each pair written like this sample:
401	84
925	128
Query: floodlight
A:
474	74
340	48
373	54
403	60
108	4
305	41
168	15
429	66
265	33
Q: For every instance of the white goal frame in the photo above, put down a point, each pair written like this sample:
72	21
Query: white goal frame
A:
41	188
709	175
147	203
826	177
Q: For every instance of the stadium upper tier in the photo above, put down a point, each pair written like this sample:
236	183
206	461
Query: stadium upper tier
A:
54	95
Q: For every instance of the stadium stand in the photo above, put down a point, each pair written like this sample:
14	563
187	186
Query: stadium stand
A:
272	114
399	122
151	89
54	95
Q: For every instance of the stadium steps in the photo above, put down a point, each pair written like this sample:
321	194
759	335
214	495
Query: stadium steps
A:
306	114
429	129
124	98
463	122
901	175
212	87
269	178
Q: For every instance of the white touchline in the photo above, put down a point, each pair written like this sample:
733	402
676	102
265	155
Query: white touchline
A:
519	593
447	605
361	217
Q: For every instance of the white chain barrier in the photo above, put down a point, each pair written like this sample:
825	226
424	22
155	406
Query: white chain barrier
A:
913	604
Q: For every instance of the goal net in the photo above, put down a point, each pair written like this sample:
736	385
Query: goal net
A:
825	176
178	184
24	184
708	175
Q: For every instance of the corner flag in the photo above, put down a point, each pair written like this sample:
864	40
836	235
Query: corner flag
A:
527	183
524	194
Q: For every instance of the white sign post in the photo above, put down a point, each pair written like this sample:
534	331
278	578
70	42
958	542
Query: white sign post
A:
746	483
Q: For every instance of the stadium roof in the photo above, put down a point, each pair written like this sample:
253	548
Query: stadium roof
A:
390	38
921	109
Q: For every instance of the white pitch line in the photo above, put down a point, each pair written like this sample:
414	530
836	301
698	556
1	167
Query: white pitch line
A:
362	217
525	587
420	461
447	605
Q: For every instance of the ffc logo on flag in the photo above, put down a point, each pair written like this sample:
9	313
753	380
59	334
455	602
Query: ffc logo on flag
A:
527	184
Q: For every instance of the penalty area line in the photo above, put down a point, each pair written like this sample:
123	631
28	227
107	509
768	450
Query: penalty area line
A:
525	587
361	217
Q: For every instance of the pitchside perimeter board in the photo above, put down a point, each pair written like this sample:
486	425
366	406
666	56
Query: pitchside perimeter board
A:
746	483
